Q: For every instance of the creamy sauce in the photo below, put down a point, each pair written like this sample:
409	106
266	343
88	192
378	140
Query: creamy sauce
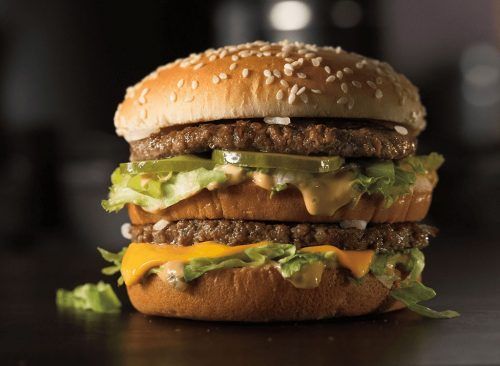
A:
173	273
325	196
263	180
234	174
309	275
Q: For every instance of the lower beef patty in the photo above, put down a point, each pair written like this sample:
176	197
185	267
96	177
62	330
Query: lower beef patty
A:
347	138
381	237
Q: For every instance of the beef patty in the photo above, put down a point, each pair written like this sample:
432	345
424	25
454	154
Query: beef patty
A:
380	237
346	138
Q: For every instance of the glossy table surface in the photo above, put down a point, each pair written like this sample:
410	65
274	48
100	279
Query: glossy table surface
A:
33	331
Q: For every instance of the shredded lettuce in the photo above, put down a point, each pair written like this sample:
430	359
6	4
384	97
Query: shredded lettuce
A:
292	264
98	297
423	164
251	257
415	292
157	191
410	291
115	259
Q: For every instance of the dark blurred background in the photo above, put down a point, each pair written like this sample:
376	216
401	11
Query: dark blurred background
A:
64	67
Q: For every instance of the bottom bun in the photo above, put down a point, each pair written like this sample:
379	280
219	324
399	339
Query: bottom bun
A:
261	294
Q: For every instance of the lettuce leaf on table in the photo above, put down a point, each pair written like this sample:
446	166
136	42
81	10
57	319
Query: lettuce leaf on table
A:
98	297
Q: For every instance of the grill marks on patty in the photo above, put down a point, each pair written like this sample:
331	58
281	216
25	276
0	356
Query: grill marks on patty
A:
347	138
380	237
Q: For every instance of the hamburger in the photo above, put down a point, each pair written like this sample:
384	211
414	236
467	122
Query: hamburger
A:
273	182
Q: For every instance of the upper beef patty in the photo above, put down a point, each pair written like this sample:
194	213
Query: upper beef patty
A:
381	237
346	138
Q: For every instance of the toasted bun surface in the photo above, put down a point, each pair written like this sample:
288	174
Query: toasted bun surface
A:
247	201
261	294
264	79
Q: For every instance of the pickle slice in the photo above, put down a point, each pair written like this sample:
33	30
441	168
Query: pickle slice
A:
311	164
181	163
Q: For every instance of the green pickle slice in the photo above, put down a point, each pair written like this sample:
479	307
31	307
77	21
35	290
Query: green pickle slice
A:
311	164
181	163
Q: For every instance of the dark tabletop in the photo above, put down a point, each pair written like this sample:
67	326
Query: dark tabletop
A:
464	272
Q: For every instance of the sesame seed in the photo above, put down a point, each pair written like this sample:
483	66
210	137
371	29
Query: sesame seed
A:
212	58
338	50
316	91
215	79
309	55
288	72
371	84
267	73
198	66
194	84
348	70
284	83
269	80
378	94
330	79
316	61
265	48
301	90
244	53
401	130
304	98
328	70
235	58
350	105
173	97
142	97
245	73
232	66
277	73
180	83
342	100
339	74
288	67
223	76
344	88
296	63
356	83
294	89
360	64
267	53
288	59
223	54
301	75
279	94
291	98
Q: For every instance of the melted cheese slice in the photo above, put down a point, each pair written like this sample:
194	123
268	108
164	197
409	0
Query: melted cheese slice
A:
141	257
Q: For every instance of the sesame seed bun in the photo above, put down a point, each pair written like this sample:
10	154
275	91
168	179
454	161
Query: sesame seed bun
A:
239	295
262	79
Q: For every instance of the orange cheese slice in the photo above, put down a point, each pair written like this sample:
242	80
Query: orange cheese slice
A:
141	257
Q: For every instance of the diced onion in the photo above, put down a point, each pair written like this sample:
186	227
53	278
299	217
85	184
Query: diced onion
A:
356	224
277	120
125	230
160	225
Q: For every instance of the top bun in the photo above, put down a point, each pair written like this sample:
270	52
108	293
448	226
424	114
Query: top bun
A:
262	79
